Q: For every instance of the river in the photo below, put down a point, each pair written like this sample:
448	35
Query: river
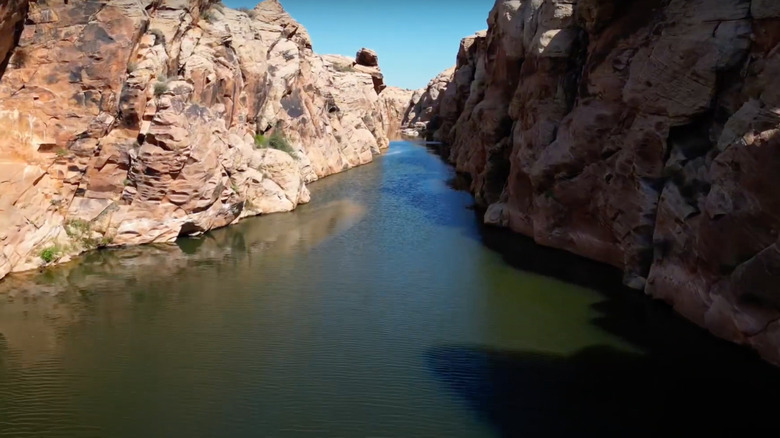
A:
381	309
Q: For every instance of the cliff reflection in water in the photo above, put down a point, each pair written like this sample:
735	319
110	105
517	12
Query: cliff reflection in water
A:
37	304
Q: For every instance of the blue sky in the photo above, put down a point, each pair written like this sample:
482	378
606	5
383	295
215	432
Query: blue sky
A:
415	39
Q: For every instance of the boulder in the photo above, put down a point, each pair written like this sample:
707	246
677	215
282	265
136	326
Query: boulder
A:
367	57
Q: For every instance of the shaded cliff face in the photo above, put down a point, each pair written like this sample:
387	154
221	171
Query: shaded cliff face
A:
12	13
642	134
129	122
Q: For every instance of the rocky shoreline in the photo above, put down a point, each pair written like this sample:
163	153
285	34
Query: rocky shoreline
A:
641	135
129	122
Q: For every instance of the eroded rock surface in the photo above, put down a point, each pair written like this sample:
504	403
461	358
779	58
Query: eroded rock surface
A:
642	134
424	106
395	101
12	13
127	122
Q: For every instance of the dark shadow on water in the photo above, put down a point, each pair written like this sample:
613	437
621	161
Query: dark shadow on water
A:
687	382
649	324
600	392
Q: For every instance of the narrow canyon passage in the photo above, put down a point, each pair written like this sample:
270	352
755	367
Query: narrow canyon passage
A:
382	308
206	231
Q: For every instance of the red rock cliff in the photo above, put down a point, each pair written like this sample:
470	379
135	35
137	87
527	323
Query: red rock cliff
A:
644	134
134	121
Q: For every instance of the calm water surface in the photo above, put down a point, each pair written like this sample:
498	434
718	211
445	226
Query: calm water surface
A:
380	309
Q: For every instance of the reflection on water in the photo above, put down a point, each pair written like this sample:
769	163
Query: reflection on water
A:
280	233
62	294
380	309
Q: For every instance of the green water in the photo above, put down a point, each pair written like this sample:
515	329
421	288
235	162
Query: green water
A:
380	309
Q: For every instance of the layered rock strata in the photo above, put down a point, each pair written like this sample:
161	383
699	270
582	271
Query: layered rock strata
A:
642	134
134	121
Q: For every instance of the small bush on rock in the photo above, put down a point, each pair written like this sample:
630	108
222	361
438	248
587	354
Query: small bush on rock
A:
343	68
249	12
276	141
161	87
50	254
77	227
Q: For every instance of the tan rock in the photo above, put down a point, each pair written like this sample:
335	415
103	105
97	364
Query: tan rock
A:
425	104
135	122
395	102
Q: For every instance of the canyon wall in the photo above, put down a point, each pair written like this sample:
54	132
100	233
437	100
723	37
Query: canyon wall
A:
12	12
643	134
134	121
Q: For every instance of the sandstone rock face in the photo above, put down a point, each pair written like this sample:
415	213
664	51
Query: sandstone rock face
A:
642	134
12	13
422	114
367	61
395	102
128	122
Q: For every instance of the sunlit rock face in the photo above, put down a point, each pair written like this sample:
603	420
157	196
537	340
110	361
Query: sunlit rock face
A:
395	101
425	103
127	122
642	134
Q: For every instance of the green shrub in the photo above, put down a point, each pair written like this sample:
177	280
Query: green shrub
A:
343	68
61	152
161	87
249	12
260	141
50	254
77	227
208	16
81	231
131	67
276	141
